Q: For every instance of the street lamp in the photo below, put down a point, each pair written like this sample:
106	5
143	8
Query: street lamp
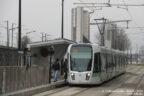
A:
62	26
30	32
19	27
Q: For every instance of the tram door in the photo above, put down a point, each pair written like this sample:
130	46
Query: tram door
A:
103	67
97	65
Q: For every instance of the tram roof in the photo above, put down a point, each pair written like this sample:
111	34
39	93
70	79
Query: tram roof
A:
101	47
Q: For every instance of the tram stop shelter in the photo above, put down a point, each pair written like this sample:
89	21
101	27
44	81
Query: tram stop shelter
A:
41	55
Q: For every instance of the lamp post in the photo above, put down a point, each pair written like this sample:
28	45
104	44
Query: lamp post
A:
62	26
19	27
30	32
19	35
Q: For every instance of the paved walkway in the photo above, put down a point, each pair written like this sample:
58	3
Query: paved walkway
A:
36	90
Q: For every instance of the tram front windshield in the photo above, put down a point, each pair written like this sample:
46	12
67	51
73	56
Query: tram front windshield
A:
81	58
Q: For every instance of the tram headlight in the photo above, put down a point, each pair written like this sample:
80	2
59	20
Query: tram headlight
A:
88	76
73	76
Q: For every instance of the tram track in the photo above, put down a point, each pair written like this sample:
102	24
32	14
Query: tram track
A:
80	92
58	90
138	85
113	87
68	92
127	77
132	91
106	84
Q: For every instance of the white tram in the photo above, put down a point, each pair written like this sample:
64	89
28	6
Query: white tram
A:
92	64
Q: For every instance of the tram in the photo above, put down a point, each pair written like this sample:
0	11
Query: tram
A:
92	64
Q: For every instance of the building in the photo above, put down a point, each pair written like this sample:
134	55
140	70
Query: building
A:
80	25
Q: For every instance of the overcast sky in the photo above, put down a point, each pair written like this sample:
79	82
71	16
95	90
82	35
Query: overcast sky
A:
45	16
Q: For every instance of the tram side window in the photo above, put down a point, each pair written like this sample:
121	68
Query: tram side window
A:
113	60
125	61
109	60
97	63
117	60
106	61
103	62
122	60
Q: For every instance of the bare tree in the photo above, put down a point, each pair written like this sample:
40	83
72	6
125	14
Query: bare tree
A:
123	42
141	51
119	38
25	41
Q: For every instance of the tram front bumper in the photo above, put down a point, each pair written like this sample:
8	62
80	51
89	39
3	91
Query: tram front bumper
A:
83	79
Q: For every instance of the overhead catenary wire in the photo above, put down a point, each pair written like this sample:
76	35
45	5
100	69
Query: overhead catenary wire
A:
138	27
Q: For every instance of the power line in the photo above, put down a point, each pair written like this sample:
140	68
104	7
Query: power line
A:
110	22
104	4
138	27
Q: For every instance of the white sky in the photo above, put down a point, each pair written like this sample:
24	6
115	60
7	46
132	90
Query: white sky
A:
45	16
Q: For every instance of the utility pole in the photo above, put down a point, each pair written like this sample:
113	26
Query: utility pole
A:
7	33
62	26
42	36
45	36
12	33
8	40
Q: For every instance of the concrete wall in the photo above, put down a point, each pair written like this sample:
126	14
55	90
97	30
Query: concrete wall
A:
18	78
8	57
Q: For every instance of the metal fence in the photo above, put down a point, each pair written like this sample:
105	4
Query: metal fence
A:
18	78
